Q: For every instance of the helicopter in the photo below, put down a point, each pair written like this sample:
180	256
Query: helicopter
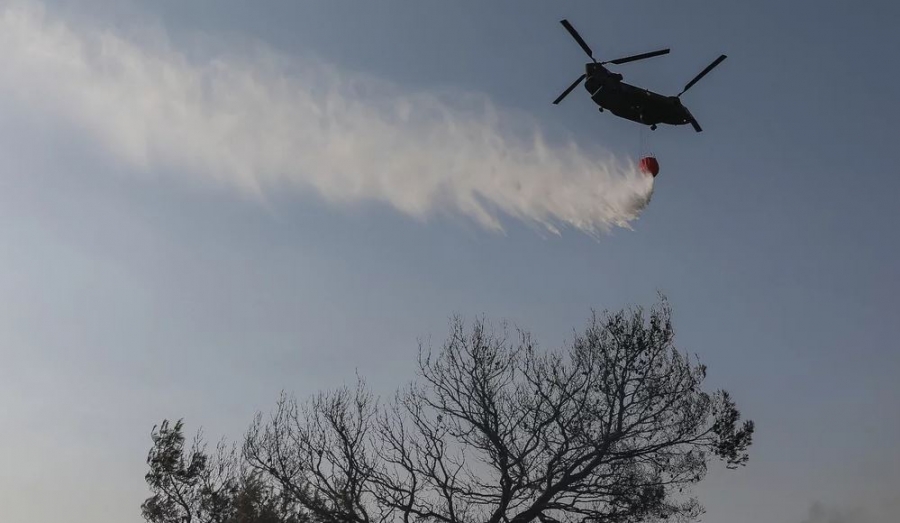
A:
628	101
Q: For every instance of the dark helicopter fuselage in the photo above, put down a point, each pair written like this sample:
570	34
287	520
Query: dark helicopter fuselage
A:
628	101
633	103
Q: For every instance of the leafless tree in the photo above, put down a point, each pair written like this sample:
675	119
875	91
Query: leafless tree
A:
615	428
319	454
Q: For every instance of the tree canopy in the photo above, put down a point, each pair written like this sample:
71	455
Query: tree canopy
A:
613	428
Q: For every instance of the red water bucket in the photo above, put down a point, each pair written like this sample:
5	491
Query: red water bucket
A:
649	165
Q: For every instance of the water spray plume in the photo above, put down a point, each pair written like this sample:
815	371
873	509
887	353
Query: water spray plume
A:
259	121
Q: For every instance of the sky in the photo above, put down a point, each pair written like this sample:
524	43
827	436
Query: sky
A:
204	203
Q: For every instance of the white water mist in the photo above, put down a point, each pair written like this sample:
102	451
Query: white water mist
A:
260	121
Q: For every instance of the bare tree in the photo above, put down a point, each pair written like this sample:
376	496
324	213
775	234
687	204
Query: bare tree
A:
615	428
320	454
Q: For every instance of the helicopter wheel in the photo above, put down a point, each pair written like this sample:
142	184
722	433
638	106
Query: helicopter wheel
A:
601	109
653	127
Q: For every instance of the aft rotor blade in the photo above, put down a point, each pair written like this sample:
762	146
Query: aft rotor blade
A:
577	38
638	57
696	126
703	73
569	90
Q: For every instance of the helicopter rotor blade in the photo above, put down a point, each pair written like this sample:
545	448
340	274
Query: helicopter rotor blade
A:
696	126
577	37
569	90
627	59
703	73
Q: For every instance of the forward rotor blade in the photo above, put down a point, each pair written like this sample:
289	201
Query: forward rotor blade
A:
638	57
703	73
569	90
696	126
577	38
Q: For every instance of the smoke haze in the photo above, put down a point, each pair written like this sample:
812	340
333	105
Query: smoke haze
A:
258	121
884	512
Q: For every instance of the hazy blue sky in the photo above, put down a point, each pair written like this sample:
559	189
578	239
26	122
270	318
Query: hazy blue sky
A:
194	260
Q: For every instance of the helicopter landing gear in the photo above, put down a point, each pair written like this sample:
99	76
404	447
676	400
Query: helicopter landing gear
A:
601	109
653	127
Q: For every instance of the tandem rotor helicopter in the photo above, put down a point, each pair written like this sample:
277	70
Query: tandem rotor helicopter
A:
628	101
